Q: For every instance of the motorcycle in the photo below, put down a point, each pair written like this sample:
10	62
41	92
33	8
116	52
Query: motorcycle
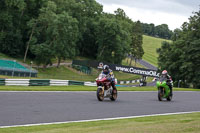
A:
105	89
163	91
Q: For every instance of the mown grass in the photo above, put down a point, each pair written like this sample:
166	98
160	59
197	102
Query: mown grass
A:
81	88
2	56
67	73
71	74
184	123
126	62
150	44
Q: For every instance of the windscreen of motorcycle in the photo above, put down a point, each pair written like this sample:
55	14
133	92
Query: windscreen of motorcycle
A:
101	76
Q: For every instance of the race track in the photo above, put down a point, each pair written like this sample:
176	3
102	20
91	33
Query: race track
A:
19	108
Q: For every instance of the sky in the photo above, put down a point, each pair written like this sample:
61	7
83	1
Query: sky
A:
171	12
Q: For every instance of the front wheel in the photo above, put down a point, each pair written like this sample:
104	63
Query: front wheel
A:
100	94
114	95
160	95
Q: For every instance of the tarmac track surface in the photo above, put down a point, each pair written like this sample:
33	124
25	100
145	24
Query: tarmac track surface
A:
19	108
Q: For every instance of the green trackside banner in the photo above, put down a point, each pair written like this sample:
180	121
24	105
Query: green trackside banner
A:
39	82
76	83
2	81
116	67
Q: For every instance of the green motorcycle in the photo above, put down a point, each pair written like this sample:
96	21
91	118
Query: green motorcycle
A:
163	91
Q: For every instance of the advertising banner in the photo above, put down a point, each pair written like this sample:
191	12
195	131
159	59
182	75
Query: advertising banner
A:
116	67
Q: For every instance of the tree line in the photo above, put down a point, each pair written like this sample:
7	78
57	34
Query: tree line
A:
161	31
182	57
43	30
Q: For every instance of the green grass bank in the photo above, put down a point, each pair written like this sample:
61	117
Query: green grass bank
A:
81	88
150	44
184	123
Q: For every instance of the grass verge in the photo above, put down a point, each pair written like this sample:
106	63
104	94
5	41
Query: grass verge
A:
81	88
184	123
150	44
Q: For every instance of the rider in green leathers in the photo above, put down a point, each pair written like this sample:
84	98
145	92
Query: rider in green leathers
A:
167	77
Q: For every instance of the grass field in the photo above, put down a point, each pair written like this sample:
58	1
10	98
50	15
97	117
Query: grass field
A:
126	62
184	123
71	74
67	73
81	88
150	44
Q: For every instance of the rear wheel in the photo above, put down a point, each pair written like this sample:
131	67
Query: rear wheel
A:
169	98
114	95
160	95
100	94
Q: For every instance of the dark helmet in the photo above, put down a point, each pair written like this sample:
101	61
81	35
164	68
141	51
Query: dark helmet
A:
106	69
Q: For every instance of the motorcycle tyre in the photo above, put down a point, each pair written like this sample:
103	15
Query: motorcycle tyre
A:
160	98
99	97
114	95
169	98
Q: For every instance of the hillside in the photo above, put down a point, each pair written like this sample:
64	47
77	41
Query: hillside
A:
70	74
67	73
150	44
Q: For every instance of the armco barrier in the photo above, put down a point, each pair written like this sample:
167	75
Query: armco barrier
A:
43	82
90	84
59	82
39	82
2	81
76	83
128	82
17	82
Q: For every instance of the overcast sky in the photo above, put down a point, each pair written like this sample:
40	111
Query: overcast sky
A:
170	12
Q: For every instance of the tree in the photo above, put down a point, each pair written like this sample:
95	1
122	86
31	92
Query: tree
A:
14	31
161	31
181	58
56	34
10	32
88	15
136	46
43	39
66	36
29	15
113	42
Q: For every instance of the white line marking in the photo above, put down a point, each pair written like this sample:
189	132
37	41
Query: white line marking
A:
46	91
104	119
77	91
67	91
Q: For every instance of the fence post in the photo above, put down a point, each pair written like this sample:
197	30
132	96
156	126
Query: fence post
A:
13	68
30	69
179	83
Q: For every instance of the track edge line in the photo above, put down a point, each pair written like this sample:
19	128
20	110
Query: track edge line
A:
103	119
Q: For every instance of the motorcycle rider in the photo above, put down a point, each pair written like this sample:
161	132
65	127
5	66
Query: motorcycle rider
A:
168	79
109	74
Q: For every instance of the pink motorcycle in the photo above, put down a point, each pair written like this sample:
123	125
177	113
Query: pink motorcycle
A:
105	89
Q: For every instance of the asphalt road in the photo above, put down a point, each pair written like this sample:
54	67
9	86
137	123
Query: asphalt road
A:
19	108
147	65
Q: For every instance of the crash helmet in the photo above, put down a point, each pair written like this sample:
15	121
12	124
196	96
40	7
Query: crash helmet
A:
164	72
105	69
